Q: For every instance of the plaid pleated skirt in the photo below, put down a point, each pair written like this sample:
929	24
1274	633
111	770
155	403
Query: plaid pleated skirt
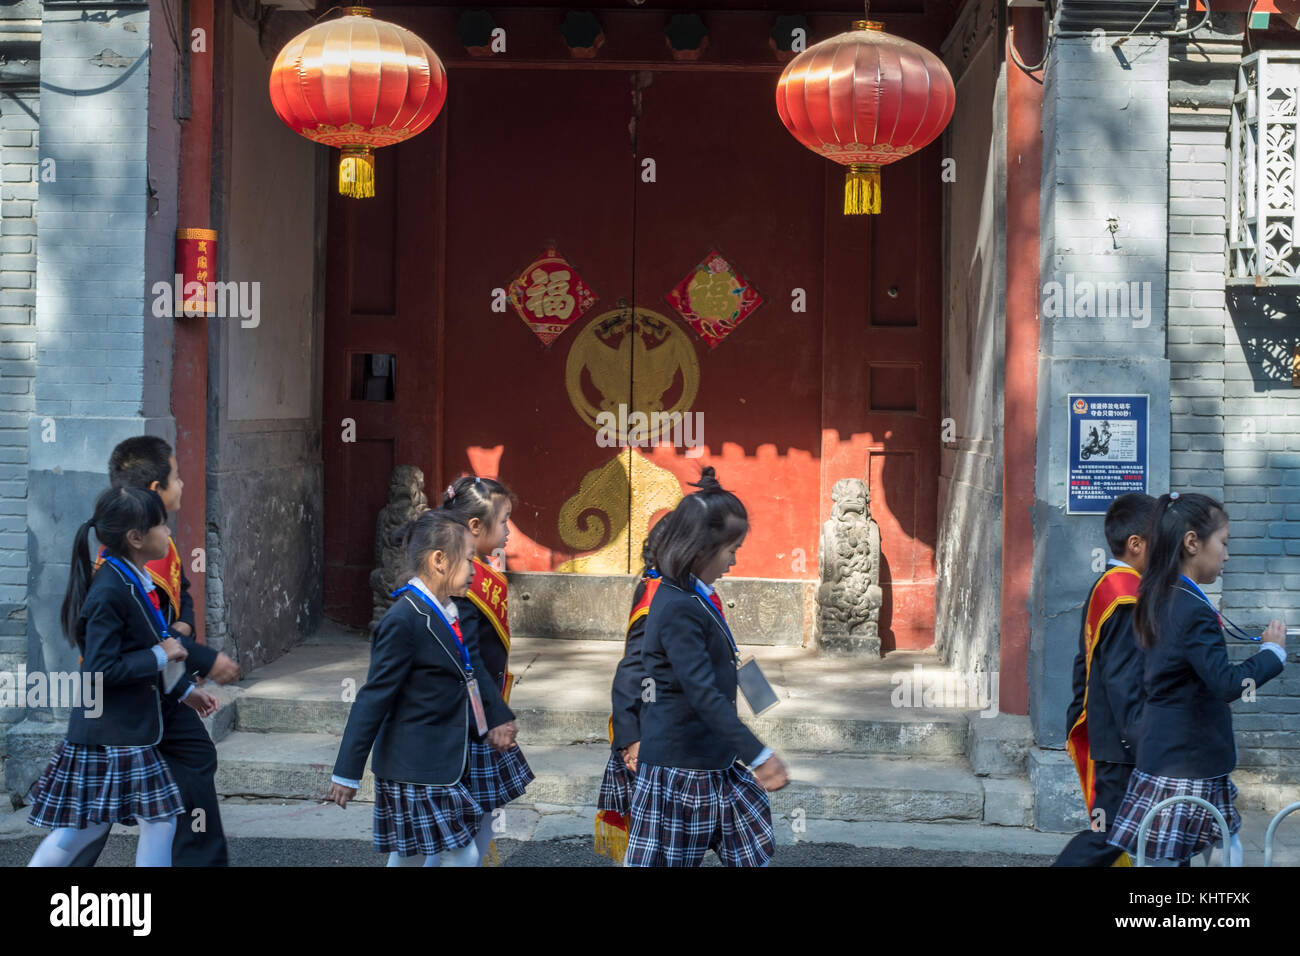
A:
616	786
679	815
86	784
494	779
1181	830
417	818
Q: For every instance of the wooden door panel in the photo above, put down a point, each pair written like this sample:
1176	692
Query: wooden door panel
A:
553	164
381	298
729	177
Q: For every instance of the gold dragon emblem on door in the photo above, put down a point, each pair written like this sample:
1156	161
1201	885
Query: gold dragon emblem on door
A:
625	361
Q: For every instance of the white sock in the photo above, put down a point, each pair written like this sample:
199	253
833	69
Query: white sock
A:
483	840
155	846
1214	853
462	856
62	845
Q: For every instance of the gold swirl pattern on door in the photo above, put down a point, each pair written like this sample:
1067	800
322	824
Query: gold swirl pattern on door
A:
634	358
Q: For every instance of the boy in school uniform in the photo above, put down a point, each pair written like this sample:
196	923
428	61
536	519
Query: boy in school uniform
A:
1103	715
147	461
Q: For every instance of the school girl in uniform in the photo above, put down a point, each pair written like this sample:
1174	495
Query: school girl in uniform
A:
1186	746
418	708
612	806
108	769
702	777
494	777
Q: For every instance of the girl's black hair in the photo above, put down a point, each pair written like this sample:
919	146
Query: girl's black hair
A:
650	546
472	497
1173	518
117	511
434	530
698	528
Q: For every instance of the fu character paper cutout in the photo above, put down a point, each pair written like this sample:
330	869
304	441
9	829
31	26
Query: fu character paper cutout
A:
550	296
714	298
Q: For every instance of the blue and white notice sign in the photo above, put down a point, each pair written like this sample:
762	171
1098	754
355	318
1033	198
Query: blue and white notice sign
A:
1108	450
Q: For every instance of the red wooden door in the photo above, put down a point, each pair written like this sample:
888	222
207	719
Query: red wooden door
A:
380	406
553	167
791	400
729	178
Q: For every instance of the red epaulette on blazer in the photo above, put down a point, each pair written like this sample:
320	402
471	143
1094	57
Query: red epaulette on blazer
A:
488	592
639	610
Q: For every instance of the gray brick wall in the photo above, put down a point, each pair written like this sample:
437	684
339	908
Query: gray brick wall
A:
20	170
19	178
1235	435
91	302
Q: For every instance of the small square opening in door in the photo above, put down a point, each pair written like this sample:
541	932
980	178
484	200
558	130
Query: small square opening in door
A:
372	377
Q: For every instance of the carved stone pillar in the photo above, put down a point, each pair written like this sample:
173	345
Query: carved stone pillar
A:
848	566
406	502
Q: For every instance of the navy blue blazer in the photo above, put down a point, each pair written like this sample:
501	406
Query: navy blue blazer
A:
625	691
1114	686
691	722
413	715
1187	724
489	657
116	632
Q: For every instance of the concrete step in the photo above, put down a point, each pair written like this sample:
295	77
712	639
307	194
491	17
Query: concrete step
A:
831	787
13	654
561	696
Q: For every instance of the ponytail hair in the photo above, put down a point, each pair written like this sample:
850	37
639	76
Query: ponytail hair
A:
1174	516
698	528
471	497
650	547
434	530
117	511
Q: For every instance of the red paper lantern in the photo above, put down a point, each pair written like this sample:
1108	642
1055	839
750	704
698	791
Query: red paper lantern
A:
357	83
865	98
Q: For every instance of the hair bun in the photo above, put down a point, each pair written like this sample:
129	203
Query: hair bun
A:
708	480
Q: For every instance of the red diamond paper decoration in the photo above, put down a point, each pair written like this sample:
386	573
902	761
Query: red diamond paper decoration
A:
550	296
714	298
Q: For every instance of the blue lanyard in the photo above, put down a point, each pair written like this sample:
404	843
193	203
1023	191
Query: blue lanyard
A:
652	573
1228	626
699	589
460	643
158	619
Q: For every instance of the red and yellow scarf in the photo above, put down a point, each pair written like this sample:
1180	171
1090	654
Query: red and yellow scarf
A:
612	826
1117	587
488	592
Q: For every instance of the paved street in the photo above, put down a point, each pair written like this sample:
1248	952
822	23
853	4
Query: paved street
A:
307	833
560	852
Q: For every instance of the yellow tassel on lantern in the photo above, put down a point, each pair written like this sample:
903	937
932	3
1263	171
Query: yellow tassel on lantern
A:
862	189
1123	860
357	172
611	838
493	858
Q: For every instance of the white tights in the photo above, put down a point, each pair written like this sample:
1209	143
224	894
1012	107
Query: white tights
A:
462	856
61	847
1213	854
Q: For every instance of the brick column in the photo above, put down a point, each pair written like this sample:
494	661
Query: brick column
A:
1105	155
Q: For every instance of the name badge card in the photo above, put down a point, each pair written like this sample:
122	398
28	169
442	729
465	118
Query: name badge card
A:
476	702
754	686
172	675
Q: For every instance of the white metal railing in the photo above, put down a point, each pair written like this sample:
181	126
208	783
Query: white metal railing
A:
1183	798
1263	215
1272	831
